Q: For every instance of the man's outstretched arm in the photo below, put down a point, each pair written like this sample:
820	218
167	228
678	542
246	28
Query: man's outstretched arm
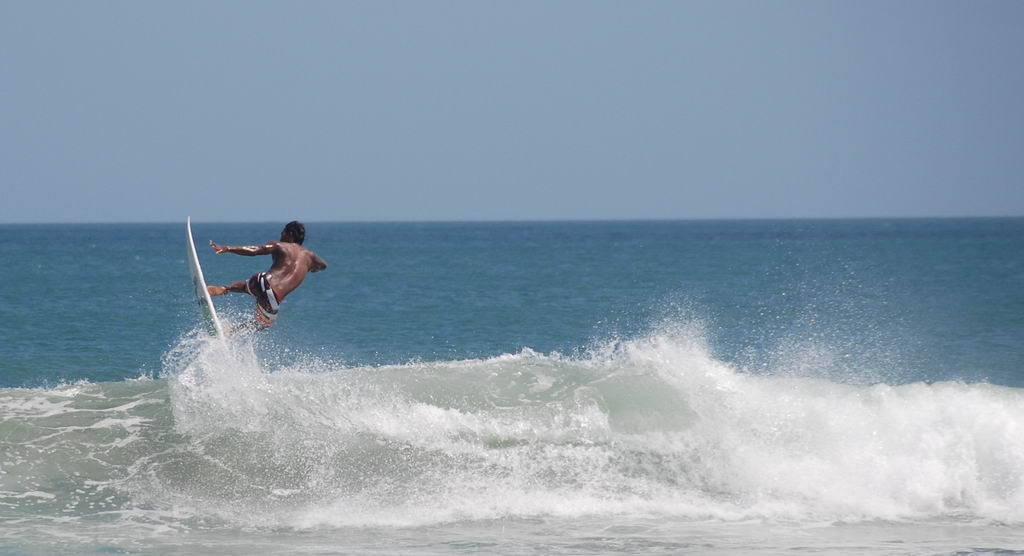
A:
247	250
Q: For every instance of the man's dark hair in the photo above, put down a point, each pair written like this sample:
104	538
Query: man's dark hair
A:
296	230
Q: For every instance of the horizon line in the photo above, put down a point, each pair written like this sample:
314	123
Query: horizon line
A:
523	220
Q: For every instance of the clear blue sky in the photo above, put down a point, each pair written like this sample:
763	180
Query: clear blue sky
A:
477	110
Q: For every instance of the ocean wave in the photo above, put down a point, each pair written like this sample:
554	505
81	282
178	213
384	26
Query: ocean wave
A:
653	426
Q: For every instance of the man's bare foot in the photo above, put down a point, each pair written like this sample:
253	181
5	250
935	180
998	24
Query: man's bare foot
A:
216	290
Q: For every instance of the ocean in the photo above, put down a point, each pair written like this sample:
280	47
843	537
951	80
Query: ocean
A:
763	387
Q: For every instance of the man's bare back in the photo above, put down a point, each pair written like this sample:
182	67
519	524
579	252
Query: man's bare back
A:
291	263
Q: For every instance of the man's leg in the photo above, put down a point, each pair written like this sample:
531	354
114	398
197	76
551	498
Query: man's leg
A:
262	320
237	287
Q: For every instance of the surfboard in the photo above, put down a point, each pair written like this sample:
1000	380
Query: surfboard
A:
199	285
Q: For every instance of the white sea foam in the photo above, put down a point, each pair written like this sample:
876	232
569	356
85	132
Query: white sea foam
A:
654	426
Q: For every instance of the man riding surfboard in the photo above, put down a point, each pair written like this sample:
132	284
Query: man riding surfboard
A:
291	262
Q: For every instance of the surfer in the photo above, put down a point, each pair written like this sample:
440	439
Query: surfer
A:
291	263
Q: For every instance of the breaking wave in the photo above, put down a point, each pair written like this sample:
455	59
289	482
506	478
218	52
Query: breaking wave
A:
654	426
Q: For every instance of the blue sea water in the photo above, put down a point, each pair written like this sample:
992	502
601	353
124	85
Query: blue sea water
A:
835	386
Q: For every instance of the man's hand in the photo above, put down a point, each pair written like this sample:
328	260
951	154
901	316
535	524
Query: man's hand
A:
219	249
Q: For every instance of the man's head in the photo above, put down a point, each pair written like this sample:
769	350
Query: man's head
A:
294	232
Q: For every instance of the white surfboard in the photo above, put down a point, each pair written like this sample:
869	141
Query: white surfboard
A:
199	283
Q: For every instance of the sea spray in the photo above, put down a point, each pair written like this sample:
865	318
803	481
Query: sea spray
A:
652	427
